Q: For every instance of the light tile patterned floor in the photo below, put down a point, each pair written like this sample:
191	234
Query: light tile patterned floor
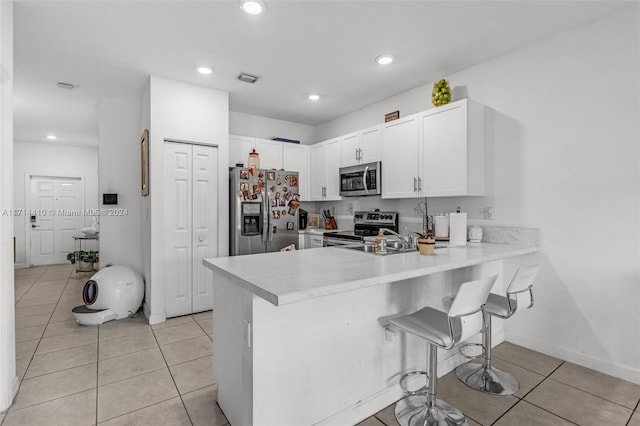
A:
121	373
129	373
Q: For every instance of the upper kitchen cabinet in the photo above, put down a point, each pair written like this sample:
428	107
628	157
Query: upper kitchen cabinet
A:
295	158
325	165
401	158
452	138
364	146
435	153
270	153
239	149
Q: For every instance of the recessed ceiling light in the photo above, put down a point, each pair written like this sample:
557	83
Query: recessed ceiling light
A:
384	59
52	137
252	7
314	97
204	70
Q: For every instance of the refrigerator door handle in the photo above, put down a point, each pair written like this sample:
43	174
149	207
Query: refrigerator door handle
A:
265	213
268	234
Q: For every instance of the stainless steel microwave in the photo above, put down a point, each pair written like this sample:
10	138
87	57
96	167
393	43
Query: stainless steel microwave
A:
363	179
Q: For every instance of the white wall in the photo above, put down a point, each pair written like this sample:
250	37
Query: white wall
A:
563	156
191	113
119	130
8	379
265	128
49	159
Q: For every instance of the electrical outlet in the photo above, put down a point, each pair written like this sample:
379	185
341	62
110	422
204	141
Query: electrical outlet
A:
488	213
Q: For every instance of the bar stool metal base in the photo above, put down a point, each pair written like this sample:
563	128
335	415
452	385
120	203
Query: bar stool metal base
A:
413	411
488	380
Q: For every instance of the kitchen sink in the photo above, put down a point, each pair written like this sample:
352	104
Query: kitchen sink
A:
369	248
393	247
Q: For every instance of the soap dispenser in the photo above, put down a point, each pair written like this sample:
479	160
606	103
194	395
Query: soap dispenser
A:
380	243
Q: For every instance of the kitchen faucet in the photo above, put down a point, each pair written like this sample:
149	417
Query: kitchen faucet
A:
404	243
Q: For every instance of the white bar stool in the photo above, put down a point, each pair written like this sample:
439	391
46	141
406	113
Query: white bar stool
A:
484	377
443	330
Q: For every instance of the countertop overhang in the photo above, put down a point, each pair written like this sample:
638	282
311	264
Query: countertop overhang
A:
288	277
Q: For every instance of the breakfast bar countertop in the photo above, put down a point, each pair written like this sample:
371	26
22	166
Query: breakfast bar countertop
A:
288	277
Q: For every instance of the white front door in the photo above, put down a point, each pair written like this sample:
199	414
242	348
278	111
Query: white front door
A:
190	226
54	217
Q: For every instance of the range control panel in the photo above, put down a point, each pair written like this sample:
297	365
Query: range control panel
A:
368	223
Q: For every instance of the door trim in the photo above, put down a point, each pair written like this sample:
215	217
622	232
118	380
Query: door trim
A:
191	142
27	202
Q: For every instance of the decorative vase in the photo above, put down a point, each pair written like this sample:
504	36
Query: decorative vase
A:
85	266
426	245
441	94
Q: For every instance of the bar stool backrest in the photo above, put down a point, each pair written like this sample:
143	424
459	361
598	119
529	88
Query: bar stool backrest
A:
519	292
467	305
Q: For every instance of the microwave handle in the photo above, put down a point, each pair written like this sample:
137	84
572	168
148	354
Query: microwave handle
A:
365	177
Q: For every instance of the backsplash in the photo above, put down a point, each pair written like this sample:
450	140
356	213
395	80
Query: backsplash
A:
409	215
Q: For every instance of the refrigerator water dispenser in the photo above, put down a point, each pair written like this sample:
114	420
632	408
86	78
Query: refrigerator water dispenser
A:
251	218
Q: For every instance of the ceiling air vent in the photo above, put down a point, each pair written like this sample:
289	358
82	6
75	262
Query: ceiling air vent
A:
65	85
247	78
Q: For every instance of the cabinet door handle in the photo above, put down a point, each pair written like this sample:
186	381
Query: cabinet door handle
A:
357	154
415	185
360	150
419	184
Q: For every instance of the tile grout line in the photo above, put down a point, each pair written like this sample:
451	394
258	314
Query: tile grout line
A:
548	376
40	341
172	378
97	372
32	284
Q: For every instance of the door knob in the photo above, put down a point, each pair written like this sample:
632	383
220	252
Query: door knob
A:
34	225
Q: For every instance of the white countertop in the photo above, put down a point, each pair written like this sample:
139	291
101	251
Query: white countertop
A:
288	277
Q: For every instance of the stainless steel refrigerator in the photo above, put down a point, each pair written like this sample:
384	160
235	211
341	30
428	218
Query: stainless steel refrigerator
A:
264	210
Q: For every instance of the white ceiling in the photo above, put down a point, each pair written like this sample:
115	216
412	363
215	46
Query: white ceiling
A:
108	48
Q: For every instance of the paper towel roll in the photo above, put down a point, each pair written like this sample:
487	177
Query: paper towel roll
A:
458	229
441	226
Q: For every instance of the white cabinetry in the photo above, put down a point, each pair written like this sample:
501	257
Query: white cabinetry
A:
452	137
274	155
364	146
295	158
325	165
401	158
239	149
435	153
270	153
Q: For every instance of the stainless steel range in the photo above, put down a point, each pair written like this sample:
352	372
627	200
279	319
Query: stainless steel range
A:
365	224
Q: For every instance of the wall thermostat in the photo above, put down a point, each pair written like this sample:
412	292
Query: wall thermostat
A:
109	199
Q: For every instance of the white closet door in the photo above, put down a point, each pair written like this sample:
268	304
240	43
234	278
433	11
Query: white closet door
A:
205	223
178	264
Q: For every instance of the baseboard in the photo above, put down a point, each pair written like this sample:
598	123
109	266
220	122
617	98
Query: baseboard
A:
19	265
155	318
624	372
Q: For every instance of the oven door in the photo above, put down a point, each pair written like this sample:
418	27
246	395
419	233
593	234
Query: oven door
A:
334	239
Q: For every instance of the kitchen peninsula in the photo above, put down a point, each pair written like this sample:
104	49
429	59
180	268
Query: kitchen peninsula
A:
299	336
